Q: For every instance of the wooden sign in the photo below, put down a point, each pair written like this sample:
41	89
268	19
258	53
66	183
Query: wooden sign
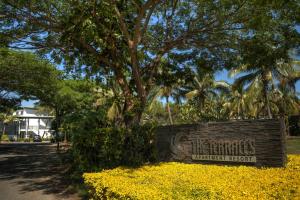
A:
249	142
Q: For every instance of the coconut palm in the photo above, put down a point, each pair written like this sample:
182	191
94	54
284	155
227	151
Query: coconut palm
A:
266	77
237	105
203	86
266	95
287	99
166	92
6	118
112	98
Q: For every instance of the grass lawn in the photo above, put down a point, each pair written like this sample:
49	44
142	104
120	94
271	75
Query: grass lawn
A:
293	145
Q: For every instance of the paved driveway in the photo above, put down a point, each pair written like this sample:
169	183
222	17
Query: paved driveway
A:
32	171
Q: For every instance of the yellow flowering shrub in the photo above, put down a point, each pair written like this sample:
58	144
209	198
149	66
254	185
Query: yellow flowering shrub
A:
196	181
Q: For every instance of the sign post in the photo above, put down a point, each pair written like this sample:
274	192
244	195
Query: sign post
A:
246	142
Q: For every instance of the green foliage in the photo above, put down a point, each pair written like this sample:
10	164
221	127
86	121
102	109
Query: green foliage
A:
139	145
96	146
155	113
4	138
20	140
293	145
213	109
265	88
7	117
131	40
71	95
122	64
28	140
7	103
294	125
27	75
111	147
71	98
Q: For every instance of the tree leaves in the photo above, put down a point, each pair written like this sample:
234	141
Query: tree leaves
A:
26	75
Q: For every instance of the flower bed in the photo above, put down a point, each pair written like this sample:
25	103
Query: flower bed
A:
196	181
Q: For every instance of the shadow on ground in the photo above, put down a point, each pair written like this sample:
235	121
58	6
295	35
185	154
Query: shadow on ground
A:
35	167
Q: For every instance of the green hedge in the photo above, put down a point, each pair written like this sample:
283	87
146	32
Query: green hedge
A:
104	148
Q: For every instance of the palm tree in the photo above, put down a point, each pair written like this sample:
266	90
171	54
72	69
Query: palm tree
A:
288	103
168	87
266	76
222	113
6	118
165	91
112	98
237	104
203	86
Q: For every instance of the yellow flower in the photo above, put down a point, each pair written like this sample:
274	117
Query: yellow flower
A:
196	181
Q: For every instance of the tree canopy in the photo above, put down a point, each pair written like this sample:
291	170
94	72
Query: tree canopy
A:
25	76
131	40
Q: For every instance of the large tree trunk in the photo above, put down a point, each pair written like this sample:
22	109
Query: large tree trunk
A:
283	114
242	109
133	107
132	112
128	113
4	127
266	98
269	108
2	133
65	139
238	111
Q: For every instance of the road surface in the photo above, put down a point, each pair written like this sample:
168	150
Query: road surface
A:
30	171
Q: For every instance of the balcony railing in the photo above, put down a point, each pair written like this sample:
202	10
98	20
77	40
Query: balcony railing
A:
34	127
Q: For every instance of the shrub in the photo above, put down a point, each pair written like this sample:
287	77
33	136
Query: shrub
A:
196	181
110	147
138	146
28	140
96	145
4	138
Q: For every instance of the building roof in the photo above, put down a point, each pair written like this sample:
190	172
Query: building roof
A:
34	117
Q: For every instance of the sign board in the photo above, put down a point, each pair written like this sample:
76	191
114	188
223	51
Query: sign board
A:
247	142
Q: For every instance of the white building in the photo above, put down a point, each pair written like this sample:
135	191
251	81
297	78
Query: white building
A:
32	122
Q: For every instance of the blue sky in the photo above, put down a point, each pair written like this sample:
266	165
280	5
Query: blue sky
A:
223	76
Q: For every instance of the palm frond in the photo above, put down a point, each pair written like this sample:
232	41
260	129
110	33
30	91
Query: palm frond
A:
113	111
191	94
222	86
245	80
234	72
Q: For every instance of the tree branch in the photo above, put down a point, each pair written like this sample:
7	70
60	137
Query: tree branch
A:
147	20
153	66
124	28
140	17
92	50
